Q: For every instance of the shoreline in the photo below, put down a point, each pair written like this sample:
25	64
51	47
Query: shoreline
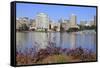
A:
56	31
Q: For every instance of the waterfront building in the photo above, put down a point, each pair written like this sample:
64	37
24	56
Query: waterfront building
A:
73	21
24	20
83	23
32	24
54	26
18	25
22	23
91	22
57	26
65	24
51	26
94	20
42	21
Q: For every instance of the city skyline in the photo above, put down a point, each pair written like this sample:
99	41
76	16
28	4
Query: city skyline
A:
30	11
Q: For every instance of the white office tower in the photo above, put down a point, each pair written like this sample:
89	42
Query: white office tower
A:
42	21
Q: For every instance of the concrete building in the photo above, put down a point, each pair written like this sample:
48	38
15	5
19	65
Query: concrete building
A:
22	22
18	25
91	22
42	21
54	26
73	21
57	25
83	23
51	26
32	24
65	24
94	20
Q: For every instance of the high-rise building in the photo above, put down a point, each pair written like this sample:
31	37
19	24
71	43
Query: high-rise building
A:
95	20
73	20
42	21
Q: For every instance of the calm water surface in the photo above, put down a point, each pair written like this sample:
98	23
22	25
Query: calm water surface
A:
25	40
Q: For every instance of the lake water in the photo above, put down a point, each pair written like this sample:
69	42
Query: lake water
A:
86	39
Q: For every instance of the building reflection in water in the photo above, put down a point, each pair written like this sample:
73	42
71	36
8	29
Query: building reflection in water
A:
41	39
72	40
64	40
21	40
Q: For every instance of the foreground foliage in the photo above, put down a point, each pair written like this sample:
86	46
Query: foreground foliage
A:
53	54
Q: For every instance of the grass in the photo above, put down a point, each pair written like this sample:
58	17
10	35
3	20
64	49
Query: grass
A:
59	59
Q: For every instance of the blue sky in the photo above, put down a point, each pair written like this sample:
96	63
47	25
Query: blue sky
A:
55	12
